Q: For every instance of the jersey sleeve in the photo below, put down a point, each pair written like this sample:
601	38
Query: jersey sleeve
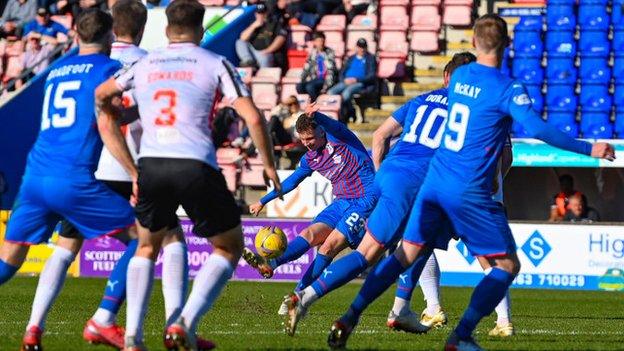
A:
400	115
124	78
230	83
302	172
338	130
516	102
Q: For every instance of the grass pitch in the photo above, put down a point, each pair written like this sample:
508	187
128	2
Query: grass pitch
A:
245	318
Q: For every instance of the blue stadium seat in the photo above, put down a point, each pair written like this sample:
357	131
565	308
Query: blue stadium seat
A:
618	42
594	70
618	68
528	44
528	70
617	15
560	43
596	125
593	2
506	63
535	93
561	97
560	17
562	2
518	131
529	24
594	43
561	70
593	17
564	121
618	95
595	97
619	123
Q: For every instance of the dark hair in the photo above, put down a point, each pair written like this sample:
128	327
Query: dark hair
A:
305	124
317	35
129	18
457	60
185	15
490	32
93	25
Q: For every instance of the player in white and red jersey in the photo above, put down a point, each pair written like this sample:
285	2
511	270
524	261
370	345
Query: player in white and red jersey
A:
177	89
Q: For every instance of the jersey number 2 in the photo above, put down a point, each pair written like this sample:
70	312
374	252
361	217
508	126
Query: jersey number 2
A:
60	102
167	116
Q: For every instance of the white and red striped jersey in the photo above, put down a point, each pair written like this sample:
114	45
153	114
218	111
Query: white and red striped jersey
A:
177	89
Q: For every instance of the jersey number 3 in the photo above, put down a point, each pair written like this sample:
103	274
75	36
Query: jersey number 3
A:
167	116
59	103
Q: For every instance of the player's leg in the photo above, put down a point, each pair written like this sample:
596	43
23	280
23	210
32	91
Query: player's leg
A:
503	327
332	246
433	315
174	274
12	256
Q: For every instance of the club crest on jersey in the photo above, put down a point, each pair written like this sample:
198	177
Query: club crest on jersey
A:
337	159
330	148
522	99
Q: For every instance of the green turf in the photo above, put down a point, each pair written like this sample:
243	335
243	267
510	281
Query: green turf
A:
245	318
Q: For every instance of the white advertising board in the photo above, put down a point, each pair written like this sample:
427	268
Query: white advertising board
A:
305	201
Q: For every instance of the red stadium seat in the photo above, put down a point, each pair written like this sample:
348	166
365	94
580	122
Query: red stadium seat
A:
337	46
329	104
293	76
426	2
227	155
252	172
229	173
391	68
363	22
394	18
245	73
393	44
460	16
299	34
425	42
288	89
65	20
394	3
212	2
426	18
458	2
336	23
271	75
14	66
264	96
353	36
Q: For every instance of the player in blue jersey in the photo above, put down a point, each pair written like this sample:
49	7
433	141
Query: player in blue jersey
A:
420	124
59	182
457	190
337	154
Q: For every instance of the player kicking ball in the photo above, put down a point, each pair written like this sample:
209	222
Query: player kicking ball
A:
420	125
457	189
338	155
176	89
59	182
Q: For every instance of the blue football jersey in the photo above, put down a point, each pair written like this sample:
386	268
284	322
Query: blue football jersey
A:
423	119
69	142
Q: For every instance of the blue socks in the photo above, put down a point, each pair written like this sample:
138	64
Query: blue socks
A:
485	297
408	280
320	263
6	272
115	291
295	249
341	272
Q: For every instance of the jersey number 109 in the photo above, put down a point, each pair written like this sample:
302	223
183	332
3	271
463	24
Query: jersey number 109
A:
457	124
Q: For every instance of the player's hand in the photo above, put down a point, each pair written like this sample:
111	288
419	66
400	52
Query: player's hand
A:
311	109
604	151
270	176
256	208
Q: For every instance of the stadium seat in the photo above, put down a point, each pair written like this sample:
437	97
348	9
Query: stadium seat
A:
329	104
363	22
528	70
594	43
337	45
596	125
353	36
593	2
593	17
460	16
246	73
528	44
506	63
518	130
299	35
212	2
458	2
292	76
14	67
537	99
619	123
230	174
425	18
394	18
561	70
425	42
271	75
618	42
560	16
65	20
618	95
561	2
252	172
595	97
426	2
332	23
403	3
287	90
529	24
617	16
561	97
264	95
393	44
595	70
391	68
560	43
565	121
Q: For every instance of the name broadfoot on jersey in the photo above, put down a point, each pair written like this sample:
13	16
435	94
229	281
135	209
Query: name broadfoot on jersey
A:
177	89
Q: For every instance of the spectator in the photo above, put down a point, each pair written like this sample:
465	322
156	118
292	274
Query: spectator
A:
578	211
283	118
357	75
78	6
259	42
319	71
36	55
43	25
354	7
559	207
16	14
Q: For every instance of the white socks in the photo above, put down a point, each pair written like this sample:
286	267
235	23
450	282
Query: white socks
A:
50	283
430	285
104	317
138	290
174	280
207	286
308	296
401	306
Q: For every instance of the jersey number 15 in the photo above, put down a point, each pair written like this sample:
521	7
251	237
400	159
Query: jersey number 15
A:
60	102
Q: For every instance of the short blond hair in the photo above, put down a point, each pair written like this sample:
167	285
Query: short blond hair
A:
490	33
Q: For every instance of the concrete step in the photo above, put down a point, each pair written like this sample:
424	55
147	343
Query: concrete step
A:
364	127
454	35
430	61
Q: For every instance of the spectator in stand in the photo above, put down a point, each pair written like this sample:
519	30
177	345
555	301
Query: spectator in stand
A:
353	8
283	118
16	14
79	6
36	55
265	37
357	76
319	70
560	203
43	25
578	211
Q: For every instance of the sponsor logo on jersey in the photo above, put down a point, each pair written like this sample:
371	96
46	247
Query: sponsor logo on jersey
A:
522	99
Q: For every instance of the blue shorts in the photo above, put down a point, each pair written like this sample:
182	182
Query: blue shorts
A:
478	221
398	184
88	204
348	217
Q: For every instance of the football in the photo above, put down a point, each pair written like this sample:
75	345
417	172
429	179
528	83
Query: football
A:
271	242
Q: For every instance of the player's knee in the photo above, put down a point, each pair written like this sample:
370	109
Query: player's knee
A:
308	235
332	246
370	249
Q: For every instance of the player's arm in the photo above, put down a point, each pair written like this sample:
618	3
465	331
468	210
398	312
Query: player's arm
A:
520	109
331	126
381	139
